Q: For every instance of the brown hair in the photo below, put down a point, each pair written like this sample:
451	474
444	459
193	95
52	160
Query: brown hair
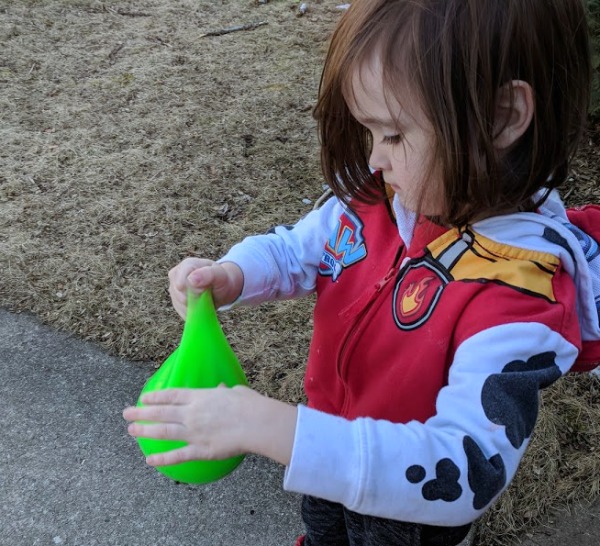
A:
458	54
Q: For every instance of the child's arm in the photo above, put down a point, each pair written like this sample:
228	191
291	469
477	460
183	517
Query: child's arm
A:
216	424
281	264
446	471
449	469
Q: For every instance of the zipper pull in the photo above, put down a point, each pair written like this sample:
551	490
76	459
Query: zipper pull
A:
388	276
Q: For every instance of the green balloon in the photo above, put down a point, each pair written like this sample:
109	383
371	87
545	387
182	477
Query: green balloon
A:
203	359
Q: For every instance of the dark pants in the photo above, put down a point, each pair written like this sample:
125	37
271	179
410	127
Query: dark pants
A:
331	524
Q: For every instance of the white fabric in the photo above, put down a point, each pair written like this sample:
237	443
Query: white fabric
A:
349	461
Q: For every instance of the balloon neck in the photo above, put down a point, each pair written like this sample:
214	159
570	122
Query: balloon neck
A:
201	315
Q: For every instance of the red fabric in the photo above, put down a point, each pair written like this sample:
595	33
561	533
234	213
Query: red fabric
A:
392	334
299	541
587	218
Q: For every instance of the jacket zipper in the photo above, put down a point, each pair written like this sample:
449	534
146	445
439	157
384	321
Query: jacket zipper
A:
379	286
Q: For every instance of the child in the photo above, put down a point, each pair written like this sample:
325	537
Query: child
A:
451	284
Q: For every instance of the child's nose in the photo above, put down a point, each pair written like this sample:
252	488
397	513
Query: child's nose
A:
379	159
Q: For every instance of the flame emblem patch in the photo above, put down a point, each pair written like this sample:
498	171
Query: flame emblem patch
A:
417	292
413	297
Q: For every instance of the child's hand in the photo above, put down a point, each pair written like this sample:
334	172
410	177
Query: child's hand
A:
226	281
216	424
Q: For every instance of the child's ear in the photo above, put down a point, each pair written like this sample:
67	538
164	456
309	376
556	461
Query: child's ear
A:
511	121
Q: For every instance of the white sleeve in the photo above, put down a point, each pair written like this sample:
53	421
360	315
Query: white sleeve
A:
448	470
283	263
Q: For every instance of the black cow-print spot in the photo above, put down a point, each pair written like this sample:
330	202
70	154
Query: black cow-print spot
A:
486	476
554	237
510	398
444	487
415	473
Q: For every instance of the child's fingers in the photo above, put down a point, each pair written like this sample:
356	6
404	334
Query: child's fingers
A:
174	456
203	277
130	414
157	414
179	297
178	276
169	396
162	406
157	431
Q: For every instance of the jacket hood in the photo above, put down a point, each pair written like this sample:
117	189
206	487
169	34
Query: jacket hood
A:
572	235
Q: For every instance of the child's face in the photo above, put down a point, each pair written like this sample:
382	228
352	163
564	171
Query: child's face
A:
402	139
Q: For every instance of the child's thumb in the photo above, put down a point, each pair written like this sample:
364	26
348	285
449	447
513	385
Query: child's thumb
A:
200	279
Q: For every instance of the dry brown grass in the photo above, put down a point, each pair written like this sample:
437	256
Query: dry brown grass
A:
128	141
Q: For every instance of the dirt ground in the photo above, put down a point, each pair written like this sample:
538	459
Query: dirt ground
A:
579	526
130	139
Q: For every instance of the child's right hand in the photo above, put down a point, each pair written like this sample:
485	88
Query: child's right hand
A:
226	281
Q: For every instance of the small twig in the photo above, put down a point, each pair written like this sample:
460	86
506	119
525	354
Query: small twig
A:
568	194
154	176
125	13
159	40
326	194
113	53
37	184
247	26
132	13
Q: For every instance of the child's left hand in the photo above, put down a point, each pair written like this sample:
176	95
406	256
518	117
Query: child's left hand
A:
215	423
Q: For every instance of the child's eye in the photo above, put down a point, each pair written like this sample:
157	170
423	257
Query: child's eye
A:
395	139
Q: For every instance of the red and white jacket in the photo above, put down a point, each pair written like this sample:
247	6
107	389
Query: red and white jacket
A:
430	347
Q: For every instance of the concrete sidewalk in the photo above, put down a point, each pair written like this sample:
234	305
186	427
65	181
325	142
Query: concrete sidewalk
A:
70	474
